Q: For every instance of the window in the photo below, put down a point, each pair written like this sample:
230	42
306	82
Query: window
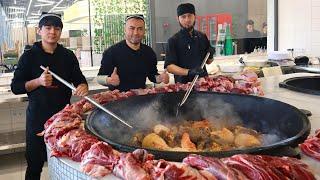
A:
89	33
218	20
86	33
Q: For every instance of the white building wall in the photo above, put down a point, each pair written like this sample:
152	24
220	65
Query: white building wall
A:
299	25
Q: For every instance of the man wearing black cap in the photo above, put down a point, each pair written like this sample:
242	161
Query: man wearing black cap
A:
187	48
46	95
127	64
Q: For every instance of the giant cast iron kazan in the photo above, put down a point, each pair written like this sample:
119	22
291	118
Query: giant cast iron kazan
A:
262	114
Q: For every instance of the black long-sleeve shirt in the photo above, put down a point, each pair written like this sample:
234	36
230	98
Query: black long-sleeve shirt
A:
46	101
186	51
133	66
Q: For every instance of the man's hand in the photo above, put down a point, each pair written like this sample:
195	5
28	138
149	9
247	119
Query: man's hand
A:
82	90
45	78
196	71
114	78
164	77
212	51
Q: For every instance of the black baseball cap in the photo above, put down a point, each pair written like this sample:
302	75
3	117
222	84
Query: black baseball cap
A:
50	19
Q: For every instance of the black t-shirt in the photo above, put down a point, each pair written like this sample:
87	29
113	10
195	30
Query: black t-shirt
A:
252	41
133	66
264	41
46	101
186	51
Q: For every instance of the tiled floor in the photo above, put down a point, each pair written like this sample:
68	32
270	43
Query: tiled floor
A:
13	167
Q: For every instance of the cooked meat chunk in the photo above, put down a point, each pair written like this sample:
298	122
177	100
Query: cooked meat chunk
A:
187	143
215	147
224	136
137	139
154	141
240	129
194	136
201	124
160	128
246	140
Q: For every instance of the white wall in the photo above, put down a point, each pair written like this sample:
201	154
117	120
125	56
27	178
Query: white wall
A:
270	21
299	25
315	27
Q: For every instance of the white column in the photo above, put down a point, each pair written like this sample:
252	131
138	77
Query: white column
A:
270	21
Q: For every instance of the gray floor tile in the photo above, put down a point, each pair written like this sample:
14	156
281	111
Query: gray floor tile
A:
13	167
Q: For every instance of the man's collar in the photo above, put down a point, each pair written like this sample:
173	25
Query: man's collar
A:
39	47
186	33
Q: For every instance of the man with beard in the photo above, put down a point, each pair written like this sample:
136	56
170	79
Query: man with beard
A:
187	48
126	65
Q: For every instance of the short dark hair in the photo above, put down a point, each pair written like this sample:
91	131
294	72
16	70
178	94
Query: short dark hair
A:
50	19
134	16
250	22
264	24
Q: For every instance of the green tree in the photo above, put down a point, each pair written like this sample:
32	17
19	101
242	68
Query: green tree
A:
109	17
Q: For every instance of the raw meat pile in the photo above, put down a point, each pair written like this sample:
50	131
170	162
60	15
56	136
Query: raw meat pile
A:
246	83
244	166
311	146
66	137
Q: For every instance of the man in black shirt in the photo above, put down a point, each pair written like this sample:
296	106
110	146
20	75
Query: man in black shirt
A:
126	65
46	95
187	48
252	38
